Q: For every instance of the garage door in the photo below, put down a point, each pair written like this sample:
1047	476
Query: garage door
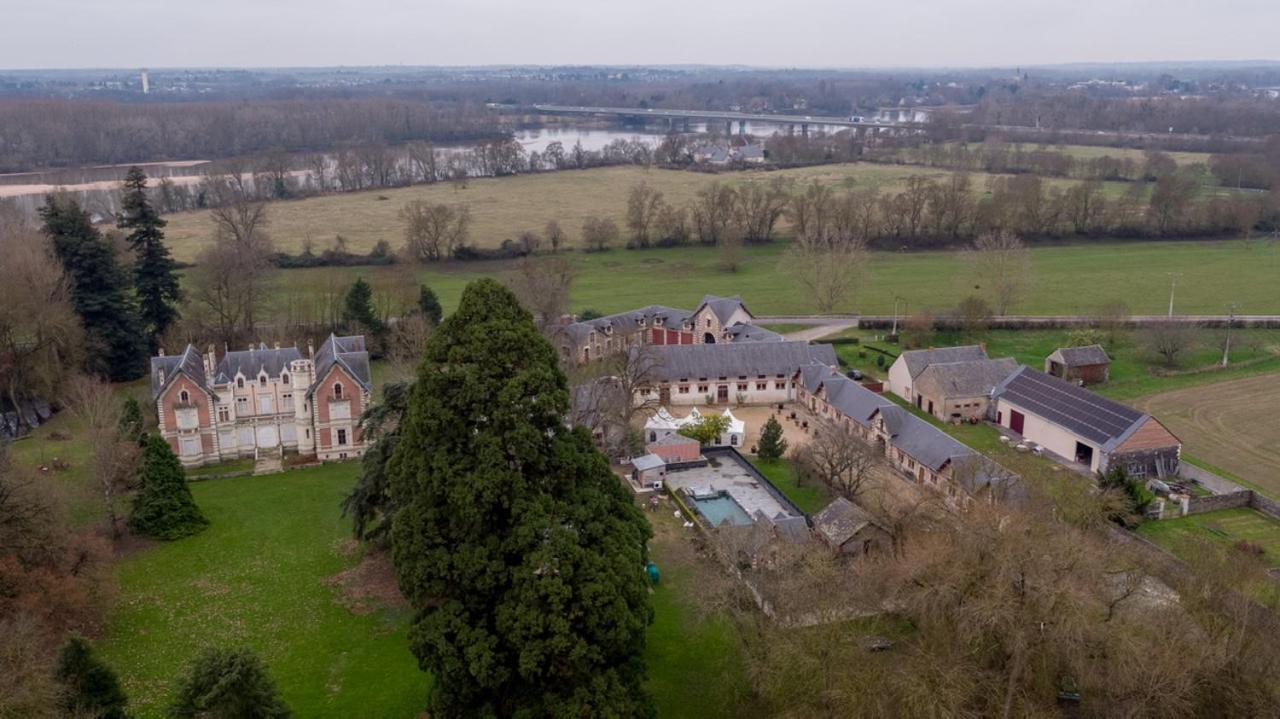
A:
1016	420
267	437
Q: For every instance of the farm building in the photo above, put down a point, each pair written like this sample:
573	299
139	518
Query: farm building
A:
648	470
738	373
1083	427
958	391
848	530
1080	365
716	319
909	365
675	449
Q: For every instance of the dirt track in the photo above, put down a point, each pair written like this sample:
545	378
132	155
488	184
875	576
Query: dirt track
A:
1233	425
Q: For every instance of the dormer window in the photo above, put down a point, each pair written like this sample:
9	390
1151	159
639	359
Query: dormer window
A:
337	391
240	382
184	397
284	378
262	379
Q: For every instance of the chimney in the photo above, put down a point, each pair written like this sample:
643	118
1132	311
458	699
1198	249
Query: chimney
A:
161	351
277	345
311	350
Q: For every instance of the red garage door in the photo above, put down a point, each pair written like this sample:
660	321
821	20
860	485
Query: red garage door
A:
1015	420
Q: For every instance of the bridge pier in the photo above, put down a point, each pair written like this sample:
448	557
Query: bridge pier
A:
686	124
804	129
742	127
791	129
728	127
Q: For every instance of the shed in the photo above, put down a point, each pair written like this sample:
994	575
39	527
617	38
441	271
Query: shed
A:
648	469
848	529
1080	365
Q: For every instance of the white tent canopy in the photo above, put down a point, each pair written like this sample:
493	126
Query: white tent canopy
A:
662	425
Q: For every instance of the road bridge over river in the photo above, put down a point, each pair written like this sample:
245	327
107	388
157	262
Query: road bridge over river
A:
682	118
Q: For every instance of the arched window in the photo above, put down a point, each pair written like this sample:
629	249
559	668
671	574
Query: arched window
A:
240	382
262	379
183	397
337	390
284	378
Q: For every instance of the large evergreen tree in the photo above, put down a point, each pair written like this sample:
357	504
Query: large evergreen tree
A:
771	445
370	504
163	507
430	305
89	687
99	290
358	308
522	551
228	684
155	274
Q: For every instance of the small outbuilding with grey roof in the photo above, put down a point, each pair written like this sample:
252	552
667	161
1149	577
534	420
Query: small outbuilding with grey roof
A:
959	391
910	364
1079	365
848	530
1084	427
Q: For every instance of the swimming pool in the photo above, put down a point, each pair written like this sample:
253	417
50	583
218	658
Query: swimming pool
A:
720	509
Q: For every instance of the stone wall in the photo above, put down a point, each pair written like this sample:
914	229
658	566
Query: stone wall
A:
1234	500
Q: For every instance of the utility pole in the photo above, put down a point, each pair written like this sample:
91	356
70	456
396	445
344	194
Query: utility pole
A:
895	315
1173	284
1226	346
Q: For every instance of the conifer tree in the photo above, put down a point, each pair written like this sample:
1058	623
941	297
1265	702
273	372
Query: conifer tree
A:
90	687
99	291
771	446
522	551
230	684
163	507
155	274
358	307
430	305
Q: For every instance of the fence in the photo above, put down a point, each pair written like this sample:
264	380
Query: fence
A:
1233	500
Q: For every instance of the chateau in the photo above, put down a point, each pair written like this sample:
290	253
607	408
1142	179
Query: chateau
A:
263	401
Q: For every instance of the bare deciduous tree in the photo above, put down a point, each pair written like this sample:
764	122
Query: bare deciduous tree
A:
644	206
98	411
1002	265
434	231
1169	340
543	286
838	458
598	233
828	267
554	235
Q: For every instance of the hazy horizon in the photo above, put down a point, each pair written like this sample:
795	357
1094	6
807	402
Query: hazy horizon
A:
812	34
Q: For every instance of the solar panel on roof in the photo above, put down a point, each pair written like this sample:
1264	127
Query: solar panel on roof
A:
1079	410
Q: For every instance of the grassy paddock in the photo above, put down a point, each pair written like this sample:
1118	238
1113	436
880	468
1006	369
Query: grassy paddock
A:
810	499
501	208
1223	527
1066	279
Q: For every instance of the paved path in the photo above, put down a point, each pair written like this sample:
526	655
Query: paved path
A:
268	465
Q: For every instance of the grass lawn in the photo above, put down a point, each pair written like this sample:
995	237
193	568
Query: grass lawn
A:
1224	527
259	577
780	473
502	208
782	328
1214	273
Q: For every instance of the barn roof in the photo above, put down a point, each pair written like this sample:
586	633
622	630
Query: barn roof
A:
1080	356
677	362
918	360
1086	414
964	379
722	307
629	321
743	332
839	521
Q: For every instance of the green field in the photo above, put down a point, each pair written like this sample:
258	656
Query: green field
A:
502	208
259	576
1066	279
1223	527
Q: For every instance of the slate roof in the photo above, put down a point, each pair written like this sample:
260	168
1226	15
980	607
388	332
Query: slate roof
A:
839	521
647	461
164	369
927	444
347	352
743	332
674	362
852	399
1081	356
252	361
918	360
722	307
964	379
672	440
1086	414
624	322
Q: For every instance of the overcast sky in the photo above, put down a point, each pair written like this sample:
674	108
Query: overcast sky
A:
790	33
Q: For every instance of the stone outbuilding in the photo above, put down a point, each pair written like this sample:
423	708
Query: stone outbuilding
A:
1079	365
960	391
848	530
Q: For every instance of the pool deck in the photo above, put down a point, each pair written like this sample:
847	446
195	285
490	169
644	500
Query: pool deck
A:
738	481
